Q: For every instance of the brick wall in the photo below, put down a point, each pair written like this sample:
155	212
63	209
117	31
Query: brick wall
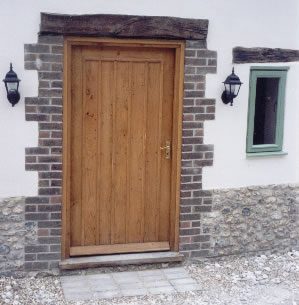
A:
194	240
43	212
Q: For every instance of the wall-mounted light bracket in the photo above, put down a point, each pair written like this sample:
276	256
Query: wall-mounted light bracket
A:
232	86
11	82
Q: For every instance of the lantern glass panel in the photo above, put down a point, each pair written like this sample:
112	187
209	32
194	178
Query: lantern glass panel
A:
237	89
12	86
232	89
227	88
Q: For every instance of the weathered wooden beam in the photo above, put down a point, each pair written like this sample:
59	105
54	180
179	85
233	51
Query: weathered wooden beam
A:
124	26
259	55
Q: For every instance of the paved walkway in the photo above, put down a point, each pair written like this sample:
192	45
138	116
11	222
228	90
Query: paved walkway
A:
135	283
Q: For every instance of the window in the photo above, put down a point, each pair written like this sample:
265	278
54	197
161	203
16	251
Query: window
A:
266	109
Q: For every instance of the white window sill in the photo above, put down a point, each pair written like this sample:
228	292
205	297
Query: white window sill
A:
266	154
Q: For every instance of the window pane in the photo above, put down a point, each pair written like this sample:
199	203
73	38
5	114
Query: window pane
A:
265	117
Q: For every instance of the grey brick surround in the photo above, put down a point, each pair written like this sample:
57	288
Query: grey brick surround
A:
199	61
44	211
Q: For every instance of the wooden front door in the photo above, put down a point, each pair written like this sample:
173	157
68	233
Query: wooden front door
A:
121	149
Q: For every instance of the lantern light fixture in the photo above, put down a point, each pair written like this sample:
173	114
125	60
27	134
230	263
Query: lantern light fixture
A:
11	82
232	86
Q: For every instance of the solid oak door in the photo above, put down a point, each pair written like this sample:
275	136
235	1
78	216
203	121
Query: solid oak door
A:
120	149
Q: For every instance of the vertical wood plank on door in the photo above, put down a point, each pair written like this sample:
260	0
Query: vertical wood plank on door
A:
177	144
89	151
120	149
152	153
76	148
99	165
106	83
112	203
136	120
166	129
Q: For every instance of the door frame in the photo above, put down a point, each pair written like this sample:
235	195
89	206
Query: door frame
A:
179	47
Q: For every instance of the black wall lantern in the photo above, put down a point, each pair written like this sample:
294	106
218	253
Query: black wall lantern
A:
11	82
232	86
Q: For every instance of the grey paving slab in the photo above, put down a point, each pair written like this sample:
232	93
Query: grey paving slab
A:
126	277
101	282
134	292
154	278
176	275
108	294
157	283
124	286
107	287
162	290
133	283
183	281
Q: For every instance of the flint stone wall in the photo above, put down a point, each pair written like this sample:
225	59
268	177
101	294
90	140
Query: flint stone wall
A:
252	219
12	234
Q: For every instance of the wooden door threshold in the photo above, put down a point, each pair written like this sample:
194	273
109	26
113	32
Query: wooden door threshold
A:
120	248
120	260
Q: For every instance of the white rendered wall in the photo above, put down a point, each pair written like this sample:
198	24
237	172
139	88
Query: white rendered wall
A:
264	23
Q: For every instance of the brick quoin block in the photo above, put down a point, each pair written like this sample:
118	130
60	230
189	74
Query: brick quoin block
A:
195	153
44	211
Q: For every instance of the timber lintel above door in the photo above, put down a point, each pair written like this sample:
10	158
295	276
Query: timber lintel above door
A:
124	26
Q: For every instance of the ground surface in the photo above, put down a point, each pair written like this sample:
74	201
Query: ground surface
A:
256	280
129	283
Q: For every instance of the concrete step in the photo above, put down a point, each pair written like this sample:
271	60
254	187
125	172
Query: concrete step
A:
120	260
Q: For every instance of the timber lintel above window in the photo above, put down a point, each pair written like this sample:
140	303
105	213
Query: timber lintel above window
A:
243	55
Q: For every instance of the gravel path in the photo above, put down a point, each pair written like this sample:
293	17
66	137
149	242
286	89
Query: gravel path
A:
256	280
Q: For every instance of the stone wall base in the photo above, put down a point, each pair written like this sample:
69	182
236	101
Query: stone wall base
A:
242	221
253	219
12	235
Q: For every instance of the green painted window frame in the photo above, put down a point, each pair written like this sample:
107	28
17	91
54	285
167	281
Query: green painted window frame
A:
264	72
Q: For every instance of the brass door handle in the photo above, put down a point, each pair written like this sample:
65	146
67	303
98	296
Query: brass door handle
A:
166	149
